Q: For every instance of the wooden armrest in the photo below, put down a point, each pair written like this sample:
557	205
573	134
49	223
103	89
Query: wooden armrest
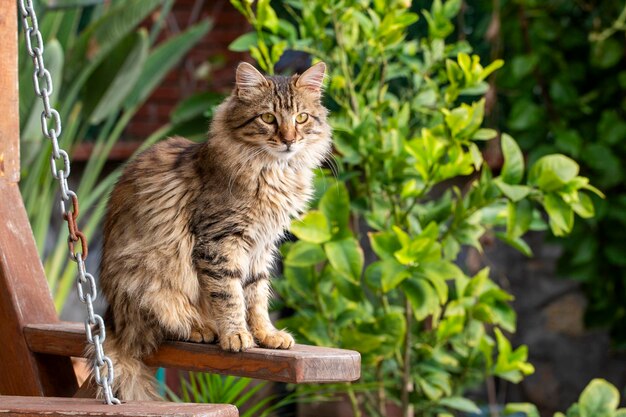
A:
76	407
300	364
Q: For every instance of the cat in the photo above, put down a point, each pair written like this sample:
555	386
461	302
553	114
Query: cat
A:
191	229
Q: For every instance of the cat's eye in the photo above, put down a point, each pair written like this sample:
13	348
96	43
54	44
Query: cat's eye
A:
268	118
302	117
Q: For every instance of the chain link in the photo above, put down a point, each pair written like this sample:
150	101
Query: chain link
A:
51	128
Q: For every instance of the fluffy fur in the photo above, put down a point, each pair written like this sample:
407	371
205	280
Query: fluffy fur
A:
191	229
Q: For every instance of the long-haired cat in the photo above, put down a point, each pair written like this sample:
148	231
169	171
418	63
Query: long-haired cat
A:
191	229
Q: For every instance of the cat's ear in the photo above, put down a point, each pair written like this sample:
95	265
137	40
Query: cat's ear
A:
313	78
248	79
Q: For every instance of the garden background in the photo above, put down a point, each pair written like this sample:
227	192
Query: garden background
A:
442	243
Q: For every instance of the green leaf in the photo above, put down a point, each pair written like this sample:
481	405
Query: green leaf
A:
335	204
520	215
568	141
529	409
516	243
54	58
605	162
438	273
69	4
346	256
493	66
561	214
393	326
196	105
451	8
460	403
477	156
513	192
313	227
299	280
384	244
607	53
266	16
422	296
116	77
244	42
599	399
162	59
525	115
584	206
304	253
511	365
476	285
513	168
100	37
364	342
392	273
552	172
484	134
523	65
344	284
612	127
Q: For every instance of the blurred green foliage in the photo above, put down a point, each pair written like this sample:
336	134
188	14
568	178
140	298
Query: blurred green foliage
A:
565	91
219	389
599	399
104	65
407	117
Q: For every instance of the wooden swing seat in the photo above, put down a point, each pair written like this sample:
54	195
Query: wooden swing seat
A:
36	373
73	407
300	364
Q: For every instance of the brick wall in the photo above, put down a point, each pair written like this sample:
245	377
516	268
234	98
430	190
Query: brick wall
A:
183	80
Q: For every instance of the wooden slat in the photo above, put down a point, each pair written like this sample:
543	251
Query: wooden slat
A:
9	96
301	364
24	294
25	298
76	407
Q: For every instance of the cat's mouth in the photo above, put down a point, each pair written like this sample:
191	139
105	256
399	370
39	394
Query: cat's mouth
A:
283	152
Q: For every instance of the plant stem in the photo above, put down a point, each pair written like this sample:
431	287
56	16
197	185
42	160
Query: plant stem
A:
619	24
356	411
382	397
491	394
407	410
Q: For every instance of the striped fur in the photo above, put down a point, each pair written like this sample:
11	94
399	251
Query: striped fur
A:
191	229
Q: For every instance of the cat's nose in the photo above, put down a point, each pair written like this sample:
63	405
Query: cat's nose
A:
288	142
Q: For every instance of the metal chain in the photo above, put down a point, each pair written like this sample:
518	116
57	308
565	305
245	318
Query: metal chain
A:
51	128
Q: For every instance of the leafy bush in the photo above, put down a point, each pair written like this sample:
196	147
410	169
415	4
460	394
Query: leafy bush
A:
564	91
599	399
219	389
104	66
413	188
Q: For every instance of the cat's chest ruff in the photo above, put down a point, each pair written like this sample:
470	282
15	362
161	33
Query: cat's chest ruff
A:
280	195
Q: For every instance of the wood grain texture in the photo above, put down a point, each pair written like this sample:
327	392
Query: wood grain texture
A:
75	407
9	96
301	364
25	298
24	294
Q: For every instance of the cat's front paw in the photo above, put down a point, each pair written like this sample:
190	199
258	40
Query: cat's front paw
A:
205	335
275	339
237	341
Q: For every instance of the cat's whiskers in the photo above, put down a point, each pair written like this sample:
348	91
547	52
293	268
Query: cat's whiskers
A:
333	164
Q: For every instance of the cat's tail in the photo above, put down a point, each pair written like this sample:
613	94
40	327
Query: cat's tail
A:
133	380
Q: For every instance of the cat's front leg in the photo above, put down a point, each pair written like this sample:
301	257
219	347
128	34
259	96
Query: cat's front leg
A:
220	271
257	292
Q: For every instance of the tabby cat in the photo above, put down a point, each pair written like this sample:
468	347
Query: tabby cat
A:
192	228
